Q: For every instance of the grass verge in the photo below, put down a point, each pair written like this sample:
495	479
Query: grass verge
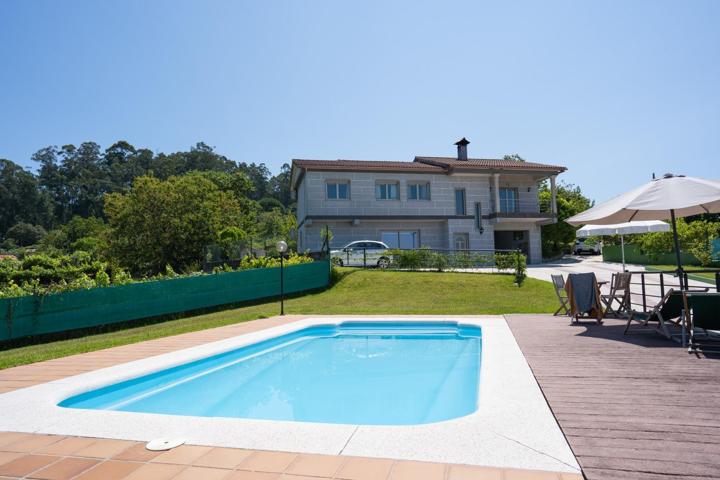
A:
702	277
355	292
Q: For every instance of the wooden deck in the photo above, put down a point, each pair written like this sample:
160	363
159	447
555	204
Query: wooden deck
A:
630	406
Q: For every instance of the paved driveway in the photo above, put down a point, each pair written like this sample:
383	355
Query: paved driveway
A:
604	271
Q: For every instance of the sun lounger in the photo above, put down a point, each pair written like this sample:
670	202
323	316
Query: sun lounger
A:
666	313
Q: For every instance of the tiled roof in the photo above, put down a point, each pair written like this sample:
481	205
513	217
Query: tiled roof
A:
366	165
424	164
487	163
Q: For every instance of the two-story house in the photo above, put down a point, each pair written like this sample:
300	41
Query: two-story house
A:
449	203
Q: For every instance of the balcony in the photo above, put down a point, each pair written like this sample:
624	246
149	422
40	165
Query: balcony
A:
539	212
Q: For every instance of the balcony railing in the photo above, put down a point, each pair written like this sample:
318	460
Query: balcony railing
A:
524	207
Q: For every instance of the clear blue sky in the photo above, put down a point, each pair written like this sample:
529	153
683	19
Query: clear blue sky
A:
614	90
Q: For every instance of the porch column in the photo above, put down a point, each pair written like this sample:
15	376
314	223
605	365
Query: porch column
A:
496	189
553	193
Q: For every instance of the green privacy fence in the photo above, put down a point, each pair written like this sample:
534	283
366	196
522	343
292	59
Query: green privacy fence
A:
612	253
34	315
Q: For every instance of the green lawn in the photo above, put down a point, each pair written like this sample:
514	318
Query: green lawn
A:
689	269
357	292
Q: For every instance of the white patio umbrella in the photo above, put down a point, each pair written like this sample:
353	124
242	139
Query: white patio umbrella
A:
663	198
623	229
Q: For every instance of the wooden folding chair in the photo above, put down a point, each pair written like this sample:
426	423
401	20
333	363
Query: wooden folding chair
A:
584	303
702	320
559	284
668	310
620	293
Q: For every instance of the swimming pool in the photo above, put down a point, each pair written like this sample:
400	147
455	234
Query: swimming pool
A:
362	373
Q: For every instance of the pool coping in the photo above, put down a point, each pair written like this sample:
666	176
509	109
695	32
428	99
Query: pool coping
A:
512	428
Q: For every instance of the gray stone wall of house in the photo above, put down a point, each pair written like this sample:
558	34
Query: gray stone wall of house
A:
434	233
362	193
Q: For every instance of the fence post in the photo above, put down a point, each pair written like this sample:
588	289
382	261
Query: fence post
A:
642	281
717	281
685	278
662	285
364	257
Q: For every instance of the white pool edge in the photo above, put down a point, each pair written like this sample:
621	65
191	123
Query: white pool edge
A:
513	426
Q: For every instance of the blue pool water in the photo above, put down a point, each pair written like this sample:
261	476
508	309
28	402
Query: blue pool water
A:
371	373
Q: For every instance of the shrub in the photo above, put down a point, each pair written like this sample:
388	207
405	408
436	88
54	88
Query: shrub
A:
406	259
438	261
25	234
520	268
515	261
505	261
40	274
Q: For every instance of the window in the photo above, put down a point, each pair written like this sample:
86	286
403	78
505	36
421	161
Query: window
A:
461	241
386	191
338	190
460	201
418	191
508	200
403	240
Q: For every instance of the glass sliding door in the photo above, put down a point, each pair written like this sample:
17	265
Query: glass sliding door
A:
408	239
390	239
508	200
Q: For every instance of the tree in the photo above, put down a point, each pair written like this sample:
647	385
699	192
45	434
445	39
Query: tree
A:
269	203
87	234
21	199
259	175
279	186
52	180
276	225
201	157
695	237
25	234
124	163
75	178
513	158
559	237
169	222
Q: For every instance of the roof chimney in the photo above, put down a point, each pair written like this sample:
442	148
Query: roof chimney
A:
462	149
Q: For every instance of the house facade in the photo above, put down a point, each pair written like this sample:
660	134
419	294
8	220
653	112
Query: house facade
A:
447	203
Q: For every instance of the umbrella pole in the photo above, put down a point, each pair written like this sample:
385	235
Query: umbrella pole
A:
622	248
677	249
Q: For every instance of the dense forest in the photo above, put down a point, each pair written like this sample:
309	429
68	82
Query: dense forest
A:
72	181
127	212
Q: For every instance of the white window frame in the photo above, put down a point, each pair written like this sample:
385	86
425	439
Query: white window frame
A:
337	183
385	183
417	186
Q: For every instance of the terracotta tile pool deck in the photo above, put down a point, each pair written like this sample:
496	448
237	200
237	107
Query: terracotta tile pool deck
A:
630	406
